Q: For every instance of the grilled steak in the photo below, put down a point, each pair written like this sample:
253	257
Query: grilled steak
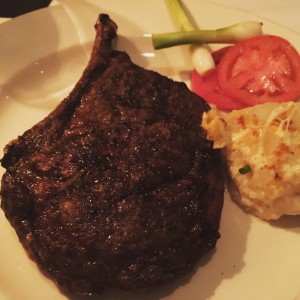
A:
117	187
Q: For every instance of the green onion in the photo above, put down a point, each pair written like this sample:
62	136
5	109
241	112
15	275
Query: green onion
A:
245	169
201	55
177	12
230	34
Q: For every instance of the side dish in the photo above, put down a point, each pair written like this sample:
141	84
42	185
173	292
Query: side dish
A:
254	71
262	152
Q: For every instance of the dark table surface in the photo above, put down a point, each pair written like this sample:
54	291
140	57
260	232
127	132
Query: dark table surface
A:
14	8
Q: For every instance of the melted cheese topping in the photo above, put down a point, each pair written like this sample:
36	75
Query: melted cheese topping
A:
262	149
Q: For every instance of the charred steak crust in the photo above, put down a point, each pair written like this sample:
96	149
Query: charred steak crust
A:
117	187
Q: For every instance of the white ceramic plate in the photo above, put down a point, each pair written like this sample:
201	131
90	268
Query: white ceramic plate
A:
42	56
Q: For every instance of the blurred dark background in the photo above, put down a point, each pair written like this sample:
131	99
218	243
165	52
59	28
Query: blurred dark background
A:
14	8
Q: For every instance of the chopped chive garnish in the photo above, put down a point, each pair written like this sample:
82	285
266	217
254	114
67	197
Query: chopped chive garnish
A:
245	169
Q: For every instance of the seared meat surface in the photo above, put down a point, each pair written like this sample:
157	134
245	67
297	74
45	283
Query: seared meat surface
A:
117	187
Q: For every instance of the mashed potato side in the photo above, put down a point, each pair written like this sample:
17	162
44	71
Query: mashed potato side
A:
262	148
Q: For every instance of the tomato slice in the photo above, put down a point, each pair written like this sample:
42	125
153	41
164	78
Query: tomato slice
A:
261	69
219	54
207	87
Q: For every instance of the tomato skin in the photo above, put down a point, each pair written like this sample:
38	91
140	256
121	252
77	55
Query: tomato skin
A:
261	69
219	54
207	87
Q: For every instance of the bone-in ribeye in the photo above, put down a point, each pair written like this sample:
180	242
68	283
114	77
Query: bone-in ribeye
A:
117	187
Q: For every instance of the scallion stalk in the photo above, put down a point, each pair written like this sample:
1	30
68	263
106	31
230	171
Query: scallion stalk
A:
227	35
188	34
201	55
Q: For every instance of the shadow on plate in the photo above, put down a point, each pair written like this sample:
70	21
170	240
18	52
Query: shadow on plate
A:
291	223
